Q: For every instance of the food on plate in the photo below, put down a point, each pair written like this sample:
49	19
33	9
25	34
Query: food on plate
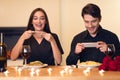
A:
35	63
93	63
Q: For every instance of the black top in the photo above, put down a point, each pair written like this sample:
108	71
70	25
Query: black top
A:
92	53
43	51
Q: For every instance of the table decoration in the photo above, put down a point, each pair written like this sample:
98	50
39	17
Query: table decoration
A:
110	64
101	72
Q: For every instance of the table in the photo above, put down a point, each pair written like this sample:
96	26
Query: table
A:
58	74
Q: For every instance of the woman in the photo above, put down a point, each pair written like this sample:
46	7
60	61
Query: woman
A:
45	46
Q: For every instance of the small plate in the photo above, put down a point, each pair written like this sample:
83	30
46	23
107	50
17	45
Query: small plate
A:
85	66
39	66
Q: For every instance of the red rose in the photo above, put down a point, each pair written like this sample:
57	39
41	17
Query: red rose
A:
102	67
109	64
106	60
112	66
117	61
118	67
117	58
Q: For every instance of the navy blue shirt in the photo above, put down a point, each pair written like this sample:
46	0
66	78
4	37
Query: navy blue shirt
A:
43	51
92	54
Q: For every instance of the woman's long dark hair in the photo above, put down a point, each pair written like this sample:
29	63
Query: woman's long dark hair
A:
30	25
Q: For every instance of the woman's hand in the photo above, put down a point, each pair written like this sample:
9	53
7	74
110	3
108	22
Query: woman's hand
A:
47	36
27	34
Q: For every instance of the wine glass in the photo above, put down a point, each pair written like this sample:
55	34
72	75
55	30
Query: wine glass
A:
111	49
26	51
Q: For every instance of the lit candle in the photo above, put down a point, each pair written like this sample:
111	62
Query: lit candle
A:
50	71
62	72
32	74
37	72
87	71
6	73
16	68
70	71
32	69
101	72
19	71
66	69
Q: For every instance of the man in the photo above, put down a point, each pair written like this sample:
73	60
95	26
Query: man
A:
94	33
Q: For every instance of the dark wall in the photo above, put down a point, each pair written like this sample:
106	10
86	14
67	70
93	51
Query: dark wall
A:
11	35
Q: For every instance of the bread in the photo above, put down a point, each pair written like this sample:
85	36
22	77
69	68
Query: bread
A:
35	63
90	63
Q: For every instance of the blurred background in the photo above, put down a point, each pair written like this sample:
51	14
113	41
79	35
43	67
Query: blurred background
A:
64	17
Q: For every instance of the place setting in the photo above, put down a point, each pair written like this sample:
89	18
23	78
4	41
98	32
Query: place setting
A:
26	51
91	64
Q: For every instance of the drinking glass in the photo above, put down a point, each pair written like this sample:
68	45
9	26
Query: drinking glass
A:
111	49
26	51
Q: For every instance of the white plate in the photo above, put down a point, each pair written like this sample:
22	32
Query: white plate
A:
85	66
41	66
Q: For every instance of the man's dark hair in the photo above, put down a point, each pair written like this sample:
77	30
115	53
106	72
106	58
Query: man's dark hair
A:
92	10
